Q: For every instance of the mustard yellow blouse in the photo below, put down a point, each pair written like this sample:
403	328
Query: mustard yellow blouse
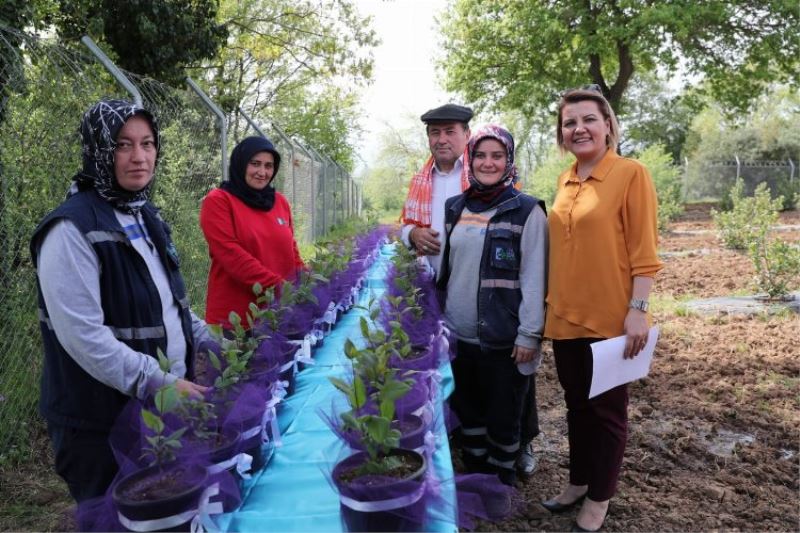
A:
603	232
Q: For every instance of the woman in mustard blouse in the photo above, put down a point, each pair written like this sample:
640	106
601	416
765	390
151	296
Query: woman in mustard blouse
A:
603	259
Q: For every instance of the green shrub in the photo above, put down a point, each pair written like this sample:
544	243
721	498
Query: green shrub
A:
666	178
777	266
749	219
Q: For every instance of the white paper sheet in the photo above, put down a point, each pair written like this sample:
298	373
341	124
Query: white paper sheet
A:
611	369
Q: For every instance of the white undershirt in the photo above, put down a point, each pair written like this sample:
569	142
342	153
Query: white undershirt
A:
443	186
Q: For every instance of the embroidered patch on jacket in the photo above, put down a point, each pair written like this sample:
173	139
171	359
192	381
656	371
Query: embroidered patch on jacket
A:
281	221
504	254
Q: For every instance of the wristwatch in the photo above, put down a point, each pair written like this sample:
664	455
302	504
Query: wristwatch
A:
641	305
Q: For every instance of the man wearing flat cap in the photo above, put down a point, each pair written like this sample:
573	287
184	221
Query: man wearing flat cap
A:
442	176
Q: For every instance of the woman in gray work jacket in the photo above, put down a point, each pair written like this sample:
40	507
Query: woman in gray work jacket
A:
494	275
110	296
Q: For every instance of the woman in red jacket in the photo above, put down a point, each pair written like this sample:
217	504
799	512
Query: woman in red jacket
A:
248	227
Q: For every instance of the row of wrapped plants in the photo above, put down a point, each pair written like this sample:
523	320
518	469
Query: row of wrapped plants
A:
388	482
392	412
183	460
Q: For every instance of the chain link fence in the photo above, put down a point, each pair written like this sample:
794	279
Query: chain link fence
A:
710	180
44	90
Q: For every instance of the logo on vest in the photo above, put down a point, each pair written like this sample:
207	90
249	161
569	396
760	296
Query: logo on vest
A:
281	221
504	254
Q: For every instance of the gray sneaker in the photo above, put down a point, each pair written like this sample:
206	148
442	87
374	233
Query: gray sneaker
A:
527	462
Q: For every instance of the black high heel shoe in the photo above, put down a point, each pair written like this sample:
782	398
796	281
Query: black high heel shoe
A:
556	507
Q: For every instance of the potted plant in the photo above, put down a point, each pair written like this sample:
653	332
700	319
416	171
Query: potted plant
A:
165	491
381	488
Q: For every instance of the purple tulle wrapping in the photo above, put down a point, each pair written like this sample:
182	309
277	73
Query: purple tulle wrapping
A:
485	497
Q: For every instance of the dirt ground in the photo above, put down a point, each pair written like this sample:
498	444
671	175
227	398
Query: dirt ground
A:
714	430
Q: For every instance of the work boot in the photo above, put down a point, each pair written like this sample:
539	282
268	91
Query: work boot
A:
526	462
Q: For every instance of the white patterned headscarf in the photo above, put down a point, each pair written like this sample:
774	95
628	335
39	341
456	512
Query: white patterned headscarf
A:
99	130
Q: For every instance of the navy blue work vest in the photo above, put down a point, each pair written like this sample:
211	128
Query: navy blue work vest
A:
131	308
499	293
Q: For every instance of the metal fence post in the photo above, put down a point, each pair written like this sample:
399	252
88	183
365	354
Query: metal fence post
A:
288	141
324	168
791	170
252	123
738	166
305	150
223	126
113	69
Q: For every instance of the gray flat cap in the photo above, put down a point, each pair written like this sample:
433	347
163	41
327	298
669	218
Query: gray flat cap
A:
447	113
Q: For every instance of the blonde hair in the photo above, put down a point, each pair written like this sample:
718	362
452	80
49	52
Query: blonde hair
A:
573	96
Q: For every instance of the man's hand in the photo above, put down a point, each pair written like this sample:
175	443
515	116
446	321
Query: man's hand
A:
425	240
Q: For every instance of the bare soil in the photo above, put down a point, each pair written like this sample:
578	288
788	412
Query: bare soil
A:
713	436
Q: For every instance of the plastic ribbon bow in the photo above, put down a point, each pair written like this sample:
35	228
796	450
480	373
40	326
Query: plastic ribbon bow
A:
271	414
200	517
330	314
243	462
303	355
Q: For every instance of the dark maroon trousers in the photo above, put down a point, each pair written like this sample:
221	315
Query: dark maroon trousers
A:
598	428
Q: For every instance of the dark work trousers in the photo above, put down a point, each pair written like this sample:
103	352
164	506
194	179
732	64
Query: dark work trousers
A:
83	459
530	414
598	428
488	397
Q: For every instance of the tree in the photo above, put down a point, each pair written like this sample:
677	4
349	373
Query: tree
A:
156	38
401	153
767	133
656	115
294	63
519	54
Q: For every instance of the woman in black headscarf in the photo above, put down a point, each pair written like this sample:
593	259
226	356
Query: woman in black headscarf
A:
111	296
248	226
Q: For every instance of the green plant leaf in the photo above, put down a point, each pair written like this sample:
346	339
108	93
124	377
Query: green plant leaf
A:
152	421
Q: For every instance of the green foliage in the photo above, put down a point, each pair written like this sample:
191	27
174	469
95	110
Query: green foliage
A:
666	178
236	353
543	183
750	218
401	152
777	265
374	382
767	133
162	447
521	53
150	37
654	114
294	63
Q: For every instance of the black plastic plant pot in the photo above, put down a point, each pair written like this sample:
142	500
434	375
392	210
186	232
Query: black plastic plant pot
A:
288	376
421	359
253	445
160	492
263	372
382	502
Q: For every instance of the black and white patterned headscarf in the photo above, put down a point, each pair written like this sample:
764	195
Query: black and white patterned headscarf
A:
99	130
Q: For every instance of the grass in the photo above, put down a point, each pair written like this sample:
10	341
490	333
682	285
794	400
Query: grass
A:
669	305
32	496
